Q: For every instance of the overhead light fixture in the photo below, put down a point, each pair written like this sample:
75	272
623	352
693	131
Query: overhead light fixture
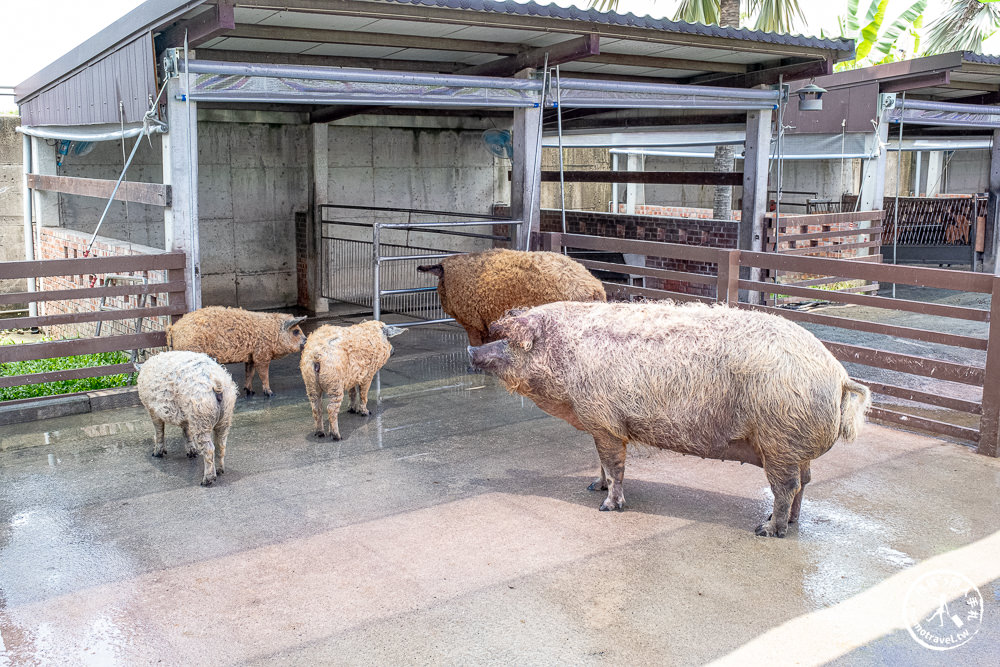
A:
810	97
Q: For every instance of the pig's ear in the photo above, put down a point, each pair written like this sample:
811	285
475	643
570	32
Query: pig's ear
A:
518	331
288	324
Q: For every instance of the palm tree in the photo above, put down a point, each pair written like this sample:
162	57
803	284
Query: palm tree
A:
963	27
772	15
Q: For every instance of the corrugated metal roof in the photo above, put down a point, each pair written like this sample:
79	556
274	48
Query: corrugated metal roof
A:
631	20
980	58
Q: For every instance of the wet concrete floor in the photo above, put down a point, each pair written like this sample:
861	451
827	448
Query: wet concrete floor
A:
453	526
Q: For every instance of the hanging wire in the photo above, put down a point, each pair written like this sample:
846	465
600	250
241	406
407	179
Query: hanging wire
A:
148	121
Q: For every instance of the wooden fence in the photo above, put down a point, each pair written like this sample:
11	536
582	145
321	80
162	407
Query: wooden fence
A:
737	292
853	235
170	263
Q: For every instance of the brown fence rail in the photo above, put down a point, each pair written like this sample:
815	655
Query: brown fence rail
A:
170	264
851	235
730	289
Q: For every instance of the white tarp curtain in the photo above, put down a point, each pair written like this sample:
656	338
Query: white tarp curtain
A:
245	82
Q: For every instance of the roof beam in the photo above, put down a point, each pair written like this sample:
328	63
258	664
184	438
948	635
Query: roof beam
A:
322	36
768	76
271	58
204	27
631	60
423	13
563	52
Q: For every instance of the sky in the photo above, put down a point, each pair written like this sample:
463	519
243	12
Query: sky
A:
36	32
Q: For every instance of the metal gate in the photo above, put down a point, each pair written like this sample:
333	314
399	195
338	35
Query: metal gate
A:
370	255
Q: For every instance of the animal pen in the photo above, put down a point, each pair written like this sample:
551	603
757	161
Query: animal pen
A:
312	91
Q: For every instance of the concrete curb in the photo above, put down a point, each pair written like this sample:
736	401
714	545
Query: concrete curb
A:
35	409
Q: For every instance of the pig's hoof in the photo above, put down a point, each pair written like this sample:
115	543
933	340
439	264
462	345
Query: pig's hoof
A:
248	392
363	412
320	434
268	393
765	530
598	485
191	453
158	455
335	436
219	470
473	370
207	482
609	505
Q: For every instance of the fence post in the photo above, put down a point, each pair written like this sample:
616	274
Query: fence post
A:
989	423
727	280
179	275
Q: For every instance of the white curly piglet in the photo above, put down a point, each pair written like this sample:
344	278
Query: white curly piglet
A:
190	390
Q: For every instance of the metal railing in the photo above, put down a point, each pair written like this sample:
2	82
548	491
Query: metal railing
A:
372	253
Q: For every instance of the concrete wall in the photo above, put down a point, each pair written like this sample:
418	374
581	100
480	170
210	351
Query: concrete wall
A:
579	196
421	162
11	216
253	178
141	224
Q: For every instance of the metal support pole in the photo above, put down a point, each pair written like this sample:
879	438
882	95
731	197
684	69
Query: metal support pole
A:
29	235
376	272
562	181
895	215
778	149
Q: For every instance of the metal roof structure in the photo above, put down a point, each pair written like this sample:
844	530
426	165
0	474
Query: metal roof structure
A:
441	36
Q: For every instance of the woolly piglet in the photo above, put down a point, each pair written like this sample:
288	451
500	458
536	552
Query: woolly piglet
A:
339	358
233	335
479	287
716	382
189	390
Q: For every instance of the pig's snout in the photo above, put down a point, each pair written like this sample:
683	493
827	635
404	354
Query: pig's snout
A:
488	357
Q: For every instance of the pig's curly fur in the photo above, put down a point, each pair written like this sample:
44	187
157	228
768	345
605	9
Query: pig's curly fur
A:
232	335
716	382
478	288
336	359
189	390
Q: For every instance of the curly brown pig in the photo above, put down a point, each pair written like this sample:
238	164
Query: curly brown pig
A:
478	288
715	382
339	358
233	335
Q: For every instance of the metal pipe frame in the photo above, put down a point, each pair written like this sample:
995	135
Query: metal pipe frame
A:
411	101
26	210
601	103
361	76
464	223
928	105
408	290
670	89
355	207
405	257
420	323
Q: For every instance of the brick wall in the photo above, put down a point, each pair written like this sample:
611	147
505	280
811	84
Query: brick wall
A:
688	231
62	243
676	211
